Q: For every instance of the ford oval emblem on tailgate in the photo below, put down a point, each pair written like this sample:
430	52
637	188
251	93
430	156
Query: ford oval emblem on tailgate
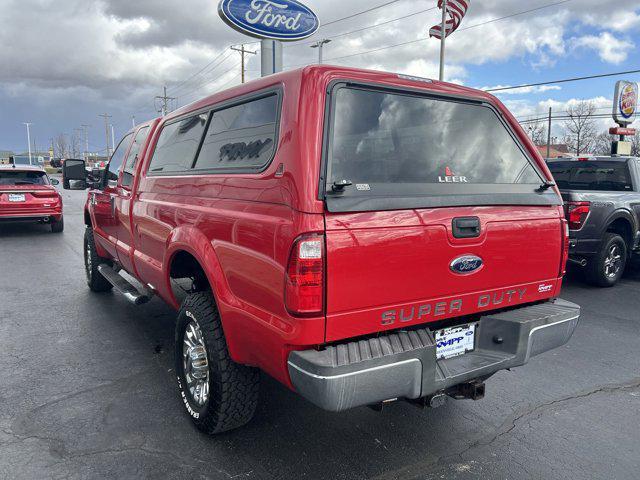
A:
466	264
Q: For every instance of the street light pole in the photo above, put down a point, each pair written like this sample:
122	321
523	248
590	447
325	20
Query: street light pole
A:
443	35
319	46
28	124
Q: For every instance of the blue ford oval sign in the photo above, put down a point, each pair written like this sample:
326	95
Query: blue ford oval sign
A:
466	264
286	20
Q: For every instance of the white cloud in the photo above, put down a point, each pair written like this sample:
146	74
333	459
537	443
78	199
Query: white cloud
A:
609	48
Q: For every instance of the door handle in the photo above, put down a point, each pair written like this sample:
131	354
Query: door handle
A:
466	227
112	202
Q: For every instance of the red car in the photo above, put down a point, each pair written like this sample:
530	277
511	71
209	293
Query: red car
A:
360	236
28	194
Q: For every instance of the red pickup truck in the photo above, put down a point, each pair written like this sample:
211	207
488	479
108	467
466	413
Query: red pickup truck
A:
360	236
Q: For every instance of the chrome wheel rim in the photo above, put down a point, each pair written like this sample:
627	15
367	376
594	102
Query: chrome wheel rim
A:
195	363
613	261
87	260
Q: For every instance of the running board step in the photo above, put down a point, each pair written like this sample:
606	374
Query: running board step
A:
127	289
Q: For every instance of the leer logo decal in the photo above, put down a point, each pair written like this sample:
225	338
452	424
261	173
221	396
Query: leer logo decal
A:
450	177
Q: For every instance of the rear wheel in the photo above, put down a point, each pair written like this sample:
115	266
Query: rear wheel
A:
57	226
218	394
95	280
606	268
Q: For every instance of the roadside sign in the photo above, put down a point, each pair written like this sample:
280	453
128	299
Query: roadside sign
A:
285	20
625	102
622	131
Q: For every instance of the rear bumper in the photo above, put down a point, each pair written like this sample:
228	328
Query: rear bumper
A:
403	364
30	216
584	247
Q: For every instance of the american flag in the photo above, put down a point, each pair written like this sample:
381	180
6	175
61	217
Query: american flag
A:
455	11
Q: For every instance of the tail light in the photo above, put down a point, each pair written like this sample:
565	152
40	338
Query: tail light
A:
565	247
45	194
577	213
304	290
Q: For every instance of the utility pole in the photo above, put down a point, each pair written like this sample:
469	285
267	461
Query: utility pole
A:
549	135
443	35
78	133
28	125
164	102
86	127
106	130
113	137
319	45
242	51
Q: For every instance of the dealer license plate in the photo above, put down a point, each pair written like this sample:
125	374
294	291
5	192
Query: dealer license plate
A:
16	197
454	341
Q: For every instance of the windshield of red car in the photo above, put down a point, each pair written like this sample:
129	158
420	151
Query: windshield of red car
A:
18	177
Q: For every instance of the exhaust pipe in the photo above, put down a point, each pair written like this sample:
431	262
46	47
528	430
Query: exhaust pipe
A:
578	261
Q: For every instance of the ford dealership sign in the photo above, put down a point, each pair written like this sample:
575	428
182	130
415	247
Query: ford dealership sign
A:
286	20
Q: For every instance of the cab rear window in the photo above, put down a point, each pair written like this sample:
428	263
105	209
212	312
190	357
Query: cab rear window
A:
395	144
393	138
592	175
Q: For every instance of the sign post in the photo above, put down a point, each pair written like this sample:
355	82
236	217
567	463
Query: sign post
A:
272	22
625	105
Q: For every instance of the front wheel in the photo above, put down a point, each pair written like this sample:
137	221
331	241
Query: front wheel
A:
95	280
218	394
606	268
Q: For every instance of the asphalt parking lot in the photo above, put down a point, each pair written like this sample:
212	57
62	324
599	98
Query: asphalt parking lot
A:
88	391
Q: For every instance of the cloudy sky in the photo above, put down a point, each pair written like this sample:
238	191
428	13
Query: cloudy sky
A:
64	62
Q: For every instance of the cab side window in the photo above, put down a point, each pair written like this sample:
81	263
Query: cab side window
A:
241	137
132	159
116	159
177	145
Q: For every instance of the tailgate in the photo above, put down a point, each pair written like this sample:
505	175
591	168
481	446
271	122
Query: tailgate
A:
434	209
393	269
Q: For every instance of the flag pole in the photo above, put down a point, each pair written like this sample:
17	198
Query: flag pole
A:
442	38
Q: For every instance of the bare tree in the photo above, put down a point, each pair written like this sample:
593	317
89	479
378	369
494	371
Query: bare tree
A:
580	127
538	133
635	144
61	146
602	143
75	147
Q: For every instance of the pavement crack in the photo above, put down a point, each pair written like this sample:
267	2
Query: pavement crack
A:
512	423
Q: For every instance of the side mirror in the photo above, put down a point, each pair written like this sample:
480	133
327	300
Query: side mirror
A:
55	181
73	169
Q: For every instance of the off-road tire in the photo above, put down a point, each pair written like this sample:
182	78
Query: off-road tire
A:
233	388
95	280
57	226
595	270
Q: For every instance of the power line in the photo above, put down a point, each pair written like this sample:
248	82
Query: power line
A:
360	13
564	80
195	92
206	80
460	29
177	87
375	25
562	117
